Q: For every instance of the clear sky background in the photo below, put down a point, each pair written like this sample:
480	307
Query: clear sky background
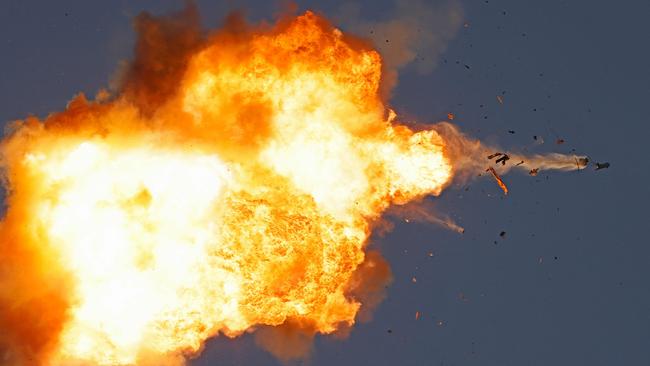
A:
566	285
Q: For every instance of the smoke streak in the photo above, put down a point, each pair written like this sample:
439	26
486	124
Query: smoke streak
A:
424	212
469	156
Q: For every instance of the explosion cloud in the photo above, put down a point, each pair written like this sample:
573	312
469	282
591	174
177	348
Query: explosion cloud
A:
231	184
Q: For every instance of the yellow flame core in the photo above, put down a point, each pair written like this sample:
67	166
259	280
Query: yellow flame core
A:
244	201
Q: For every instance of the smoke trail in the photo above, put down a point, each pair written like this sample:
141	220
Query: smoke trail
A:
470	156
424	212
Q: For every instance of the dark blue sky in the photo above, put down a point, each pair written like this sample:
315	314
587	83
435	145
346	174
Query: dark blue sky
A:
567	285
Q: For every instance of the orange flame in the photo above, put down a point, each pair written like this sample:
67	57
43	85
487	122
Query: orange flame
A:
227	187
500	182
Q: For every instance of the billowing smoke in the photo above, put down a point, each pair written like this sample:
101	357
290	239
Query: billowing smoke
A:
415	32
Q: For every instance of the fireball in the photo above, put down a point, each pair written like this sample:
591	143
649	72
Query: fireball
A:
240	195
231	184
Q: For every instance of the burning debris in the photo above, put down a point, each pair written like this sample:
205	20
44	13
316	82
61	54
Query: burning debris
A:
582	162
498	179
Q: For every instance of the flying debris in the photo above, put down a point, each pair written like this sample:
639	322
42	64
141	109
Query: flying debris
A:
600	166
534	172
498	179
519	163
502	159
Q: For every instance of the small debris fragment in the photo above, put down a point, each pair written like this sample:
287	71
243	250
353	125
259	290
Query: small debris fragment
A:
533	172
417	315
502	234
600	166
390	331
559	141
450	116
500	99
467	66
414	280
519	163
498	179
541	260
512	132
494	155
502	159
